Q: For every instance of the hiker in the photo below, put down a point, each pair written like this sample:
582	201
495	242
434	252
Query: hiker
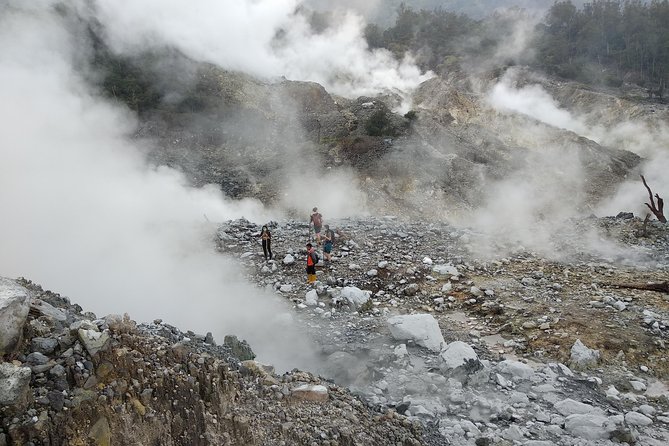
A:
328	243
317	221
266	237
312	260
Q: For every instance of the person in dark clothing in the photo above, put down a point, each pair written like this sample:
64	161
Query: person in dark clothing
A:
266	237
329	243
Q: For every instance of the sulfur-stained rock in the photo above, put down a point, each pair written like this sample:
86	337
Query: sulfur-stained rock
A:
307	392
100	432
138	406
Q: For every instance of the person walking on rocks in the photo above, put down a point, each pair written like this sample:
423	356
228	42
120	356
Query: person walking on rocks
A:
328	243
312	260
317	221
266	237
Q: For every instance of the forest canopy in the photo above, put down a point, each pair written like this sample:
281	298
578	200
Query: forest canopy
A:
602	42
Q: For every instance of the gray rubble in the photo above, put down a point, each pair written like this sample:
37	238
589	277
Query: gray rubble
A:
489	382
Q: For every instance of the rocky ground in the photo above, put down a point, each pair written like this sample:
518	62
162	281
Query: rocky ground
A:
69	378
435	344
514	348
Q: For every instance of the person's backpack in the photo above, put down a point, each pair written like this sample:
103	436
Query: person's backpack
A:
314	257
317	219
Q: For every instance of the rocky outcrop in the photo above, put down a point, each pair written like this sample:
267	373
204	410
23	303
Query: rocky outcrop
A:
476	145
249	135
82	380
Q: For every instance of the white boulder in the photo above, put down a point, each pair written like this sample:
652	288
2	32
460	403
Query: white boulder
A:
637	419
311	298
355	296
423	329
446	269
515	370
459	356
589	426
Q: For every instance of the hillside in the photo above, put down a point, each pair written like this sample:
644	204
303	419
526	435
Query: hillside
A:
248	136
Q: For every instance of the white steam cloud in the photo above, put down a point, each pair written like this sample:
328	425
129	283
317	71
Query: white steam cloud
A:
266	38
534	101
532	207
84	215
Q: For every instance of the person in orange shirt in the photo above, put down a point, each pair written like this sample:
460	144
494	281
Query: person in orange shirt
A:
312	260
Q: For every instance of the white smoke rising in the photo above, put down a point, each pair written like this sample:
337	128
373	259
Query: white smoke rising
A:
534	101
532	208
652	143
336	194
266	38
649	140
84	215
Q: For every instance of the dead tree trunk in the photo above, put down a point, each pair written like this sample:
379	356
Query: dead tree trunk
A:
659	210
660	287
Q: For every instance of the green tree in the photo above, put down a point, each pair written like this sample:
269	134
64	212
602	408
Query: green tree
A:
378	124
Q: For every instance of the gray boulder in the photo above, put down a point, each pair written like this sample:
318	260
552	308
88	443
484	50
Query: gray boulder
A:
582	357
14	385
14	307
44	345
516	370
48	310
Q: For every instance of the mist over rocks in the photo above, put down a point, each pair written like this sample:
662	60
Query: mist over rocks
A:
249	135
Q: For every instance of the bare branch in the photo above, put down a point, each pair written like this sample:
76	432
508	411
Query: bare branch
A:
659	210
660	287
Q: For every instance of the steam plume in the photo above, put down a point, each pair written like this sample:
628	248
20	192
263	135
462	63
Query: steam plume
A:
85	215
266	38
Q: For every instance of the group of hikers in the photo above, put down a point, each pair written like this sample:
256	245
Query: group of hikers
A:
327	238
